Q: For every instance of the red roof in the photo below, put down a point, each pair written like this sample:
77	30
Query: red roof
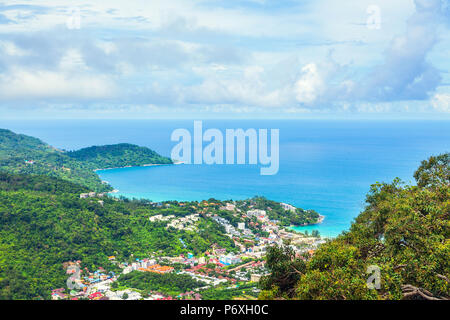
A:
95	295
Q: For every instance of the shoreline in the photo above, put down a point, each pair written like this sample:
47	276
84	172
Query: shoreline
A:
319	221
141	166
115	191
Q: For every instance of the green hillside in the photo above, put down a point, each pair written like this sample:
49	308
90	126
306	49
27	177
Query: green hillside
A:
40	229
118	155
23	154
16	182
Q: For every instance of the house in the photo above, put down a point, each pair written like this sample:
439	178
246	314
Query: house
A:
228	207
165	269
95	296
58	294
255	277
88	195
288	207
220	251
256	213
229	259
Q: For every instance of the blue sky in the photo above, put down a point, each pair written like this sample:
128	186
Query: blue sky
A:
225	59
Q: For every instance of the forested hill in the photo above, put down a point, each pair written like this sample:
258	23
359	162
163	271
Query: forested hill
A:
118	155
23	154
21	182
404	232
44	223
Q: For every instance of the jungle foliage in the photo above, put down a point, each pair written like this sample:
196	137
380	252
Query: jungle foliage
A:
404	231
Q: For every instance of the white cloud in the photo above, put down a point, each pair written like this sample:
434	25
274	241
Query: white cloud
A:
42	84
72	61
222	55
9	48
310	85
441	102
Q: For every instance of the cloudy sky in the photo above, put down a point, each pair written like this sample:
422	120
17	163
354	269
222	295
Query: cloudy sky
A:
225	58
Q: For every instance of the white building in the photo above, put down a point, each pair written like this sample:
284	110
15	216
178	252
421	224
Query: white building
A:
288	207
241	225
256	213
228	207
229	259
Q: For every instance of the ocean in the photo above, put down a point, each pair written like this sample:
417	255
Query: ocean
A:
327	166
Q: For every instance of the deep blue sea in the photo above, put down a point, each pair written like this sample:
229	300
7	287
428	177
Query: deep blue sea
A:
327	166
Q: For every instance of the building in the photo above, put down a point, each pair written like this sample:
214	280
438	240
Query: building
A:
256	213
288	207
58	294
255	277
229	259
157	269
228	207
241	225
95	296
88	195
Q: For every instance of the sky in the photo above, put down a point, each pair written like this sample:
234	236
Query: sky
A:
321	59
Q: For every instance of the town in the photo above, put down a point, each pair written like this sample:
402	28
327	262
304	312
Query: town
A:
233	272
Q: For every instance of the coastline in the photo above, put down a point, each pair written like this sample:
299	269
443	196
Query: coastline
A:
140	166
116	191
319	221
144	165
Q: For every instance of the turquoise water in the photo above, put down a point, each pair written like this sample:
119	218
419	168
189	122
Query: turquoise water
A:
327	166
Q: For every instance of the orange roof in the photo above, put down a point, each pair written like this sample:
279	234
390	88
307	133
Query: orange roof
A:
165	268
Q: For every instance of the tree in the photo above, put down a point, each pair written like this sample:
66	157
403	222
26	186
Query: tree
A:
285	271
434	171
404	231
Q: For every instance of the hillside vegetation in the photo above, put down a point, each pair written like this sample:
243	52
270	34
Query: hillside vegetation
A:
27	155
404	231
119	155
44	223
